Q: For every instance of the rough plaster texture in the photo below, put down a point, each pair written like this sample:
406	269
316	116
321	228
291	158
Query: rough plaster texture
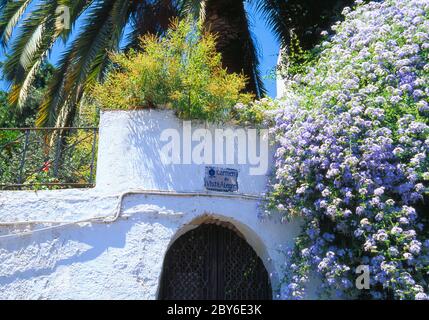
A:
123	259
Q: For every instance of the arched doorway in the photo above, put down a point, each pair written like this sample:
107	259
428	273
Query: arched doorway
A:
213	262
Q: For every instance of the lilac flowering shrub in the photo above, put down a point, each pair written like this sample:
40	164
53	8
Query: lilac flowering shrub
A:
353	160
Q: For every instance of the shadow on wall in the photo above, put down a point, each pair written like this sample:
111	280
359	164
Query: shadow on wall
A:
76	245
41	254
144	138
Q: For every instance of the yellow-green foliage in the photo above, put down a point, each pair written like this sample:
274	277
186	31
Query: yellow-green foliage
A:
180	70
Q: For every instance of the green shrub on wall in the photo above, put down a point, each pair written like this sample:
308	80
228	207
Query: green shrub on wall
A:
181	70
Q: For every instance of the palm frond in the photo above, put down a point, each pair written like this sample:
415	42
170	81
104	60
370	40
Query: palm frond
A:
3	4
100	35
36	38
150	17
119	17
193	8
19	92
252	62
11	14
54	96
83	62
306	18
76	9
28	52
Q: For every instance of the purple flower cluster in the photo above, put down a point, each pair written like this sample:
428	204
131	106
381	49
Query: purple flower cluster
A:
353	159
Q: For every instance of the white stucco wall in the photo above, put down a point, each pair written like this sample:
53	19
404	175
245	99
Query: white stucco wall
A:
280	81
123	259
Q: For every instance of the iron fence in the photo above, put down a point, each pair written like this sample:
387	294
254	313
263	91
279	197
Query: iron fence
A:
47	158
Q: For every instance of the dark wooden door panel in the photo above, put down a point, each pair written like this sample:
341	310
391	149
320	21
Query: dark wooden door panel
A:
213	262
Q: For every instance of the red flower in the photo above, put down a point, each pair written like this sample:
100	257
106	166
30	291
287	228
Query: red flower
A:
46	166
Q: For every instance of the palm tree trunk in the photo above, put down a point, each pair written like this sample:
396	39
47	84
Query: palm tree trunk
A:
228	19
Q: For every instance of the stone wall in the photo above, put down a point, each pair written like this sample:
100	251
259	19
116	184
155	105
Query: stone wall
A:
109	242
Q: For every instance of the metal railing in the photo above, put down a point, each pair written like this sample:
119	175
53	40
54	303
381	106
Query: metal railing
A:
47	158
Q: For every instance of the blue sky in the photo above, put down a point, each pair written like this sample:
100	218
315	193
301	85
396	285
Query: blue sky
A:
266	42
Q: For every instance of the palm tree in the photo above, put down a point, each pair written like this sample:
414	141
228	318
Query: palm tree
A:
229	20
85	58
98	27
